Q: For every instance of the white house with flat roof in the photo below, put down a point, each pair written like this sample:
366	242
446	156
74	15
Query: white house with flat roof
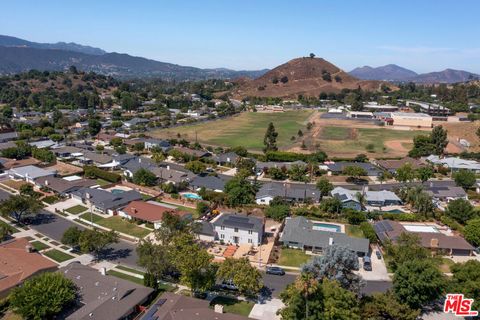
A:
29	173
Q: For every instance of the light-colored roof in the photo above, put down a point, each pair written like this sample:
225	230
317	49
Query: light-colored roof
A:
410	115
374	196
31	172
454	162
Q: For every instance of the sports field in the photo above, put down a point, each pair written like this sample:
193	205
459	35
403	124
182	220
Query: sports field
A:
246	129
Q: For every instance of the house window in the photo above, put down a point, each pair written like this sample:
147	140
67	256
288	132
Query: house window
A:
222	228
250	232
222	236
236	230
250	241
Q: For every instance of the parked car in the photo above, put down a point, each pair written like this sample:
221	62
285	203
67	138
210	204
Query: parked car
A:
276	271
378	254
367	264
228	285
477	250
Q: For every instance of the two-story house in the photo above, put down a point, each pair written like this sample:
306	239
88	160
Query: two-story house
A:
238	229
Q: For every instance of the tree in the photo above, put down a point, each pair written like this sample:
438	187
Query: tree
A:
461	210
277	173
94	127
406	248
277	212
466	280
27	191
71	236
154	258
158	157
270	139
337	263
422	146
338	303
19	206
298	173
354	171
43	296
368	232
302	299
244	276
96	241
324	187
144	177
331	205
418	282
202	208
5	231
195	166
355	217
472	231
405	173
464	178
240	191
424	173
43	155
438	138
172	226
193	262
386	306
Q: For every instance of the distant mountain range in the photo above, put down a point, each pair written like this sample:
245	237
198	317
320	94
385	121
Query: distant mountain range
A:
18	55
392	72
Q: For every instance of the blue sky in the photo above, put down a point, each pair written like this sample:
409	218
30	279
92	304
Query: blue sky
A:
423	35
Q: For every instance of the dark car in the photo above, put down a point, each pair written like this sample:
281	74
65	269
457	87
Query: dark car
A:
378	254
367	264
275	270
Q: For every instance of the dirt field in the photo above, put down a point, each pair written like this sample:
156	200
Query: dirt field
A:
347	138
462	130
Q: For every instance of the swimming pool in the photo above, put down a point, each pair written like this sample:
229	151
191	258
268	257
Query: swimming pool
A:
193	196
420	228
394	211
117	191
326	227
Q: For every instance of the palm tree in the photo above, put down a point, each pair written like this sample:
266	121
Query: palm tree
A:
361	198
307	285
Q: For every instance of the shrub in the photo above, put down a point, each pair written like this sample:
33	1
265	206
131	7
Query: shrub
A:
94	172
368	232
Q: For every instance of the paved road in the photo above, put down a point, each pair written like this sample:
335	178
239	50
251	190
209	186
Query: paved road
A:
372	287
54	226
277	284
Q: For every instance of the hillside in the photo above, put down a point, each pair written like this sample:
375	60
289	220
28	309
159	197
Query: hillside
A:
446	76
18	55
390	72
304	76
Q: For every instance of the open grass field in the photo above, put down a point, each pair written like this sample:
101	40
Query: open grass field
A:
246	129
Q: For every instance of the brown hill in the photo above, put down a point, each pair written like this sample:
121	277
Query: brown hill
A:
306	76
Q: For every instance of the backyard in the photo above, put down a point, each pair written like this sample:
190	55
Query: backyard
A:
292	257
246	129
354	231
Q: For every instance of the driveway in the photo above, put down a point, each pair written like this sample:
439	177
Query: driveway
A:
54	226
266	310
379	270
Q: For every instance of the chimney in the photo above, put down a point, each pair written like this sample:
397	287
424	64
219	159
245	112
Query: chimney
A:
168	167
134	210
431	184
330	241
103	271
28	248
46	182
218	308
434	243
139	160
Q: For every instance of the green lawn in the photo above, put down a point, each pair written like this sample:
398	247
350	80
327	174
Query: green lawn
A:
102	182
246	129
124	276
130	270
8	227
354	231
39	246
335	133
94	217
76	209
232	305
118	224
292	257
51	199
58	255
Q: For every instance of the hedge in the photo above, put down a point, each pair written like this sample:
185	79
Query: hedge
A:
368	232
94	172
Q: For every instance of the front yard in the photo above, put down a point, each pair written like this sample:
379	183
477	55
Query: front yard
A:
39	246
292	257
231	305
123	226
76	209
58	255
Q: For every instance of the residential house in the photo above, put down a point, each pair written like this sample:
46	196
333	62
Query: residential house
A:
105	202
68	152
43	144
97	159
172	306
30	173
263	166
445	193
392	165
338	167
308	235
214	183
169	175
103	296
238	229
206	232
455	163
151	143
293	192
62	186
135	122
133	164
194	152
230	158
350	198
8	136
433	239
151	212
19	262
7	163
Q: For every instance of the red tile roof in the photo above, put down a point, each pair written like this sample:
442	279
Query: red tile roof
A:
150	212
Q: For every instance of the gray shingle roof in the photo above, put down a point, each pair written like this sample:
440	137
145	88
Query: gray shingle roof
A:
340	166
210	182
106	200
293	190
240	221
300	230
